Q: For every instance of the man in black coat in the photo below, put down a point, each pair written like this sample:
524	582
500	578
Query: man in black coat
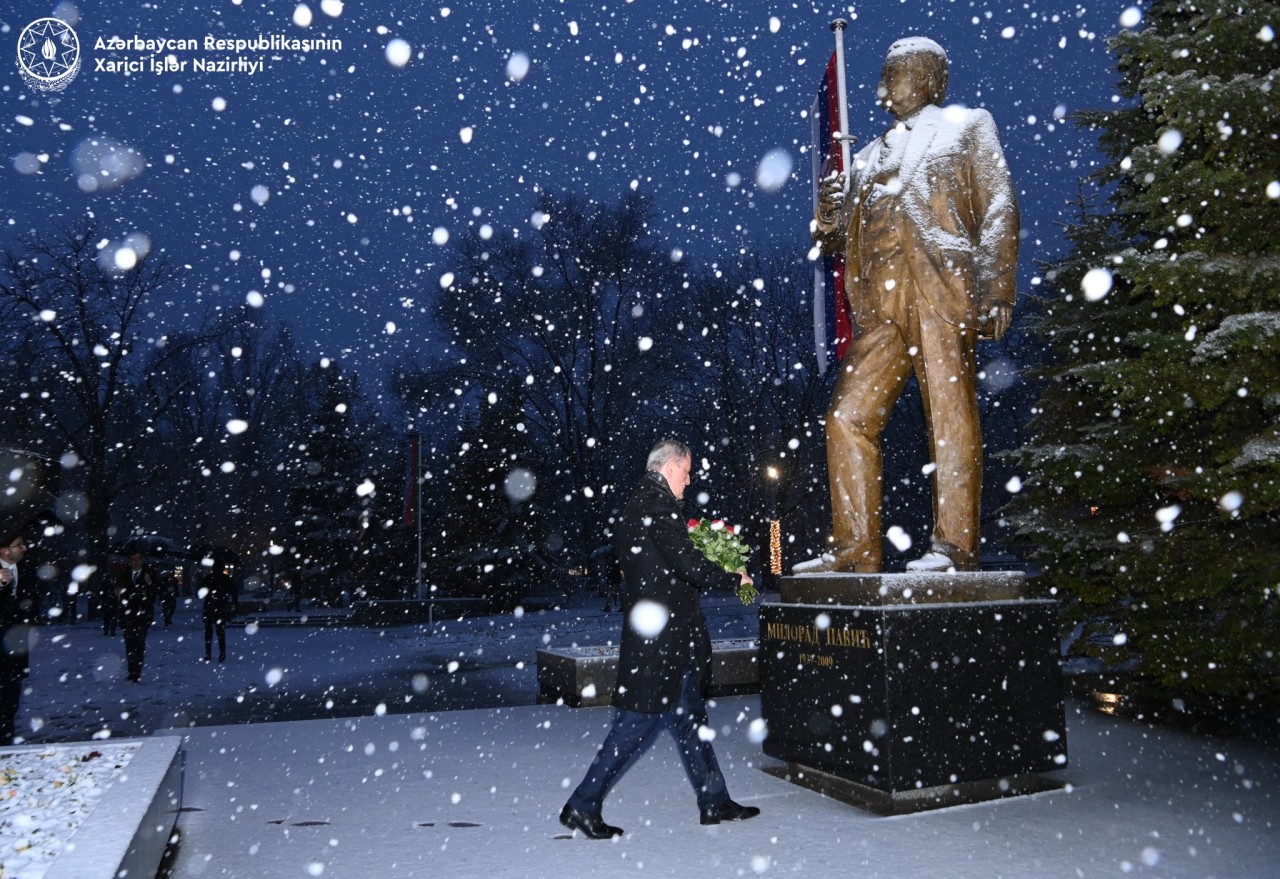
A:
664	660
219	606
109	602
138	587
16	610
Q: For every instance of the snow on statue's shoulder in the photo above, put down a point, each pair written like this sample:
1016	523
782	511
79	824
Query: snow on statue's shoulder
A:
942	128
955	119
956	128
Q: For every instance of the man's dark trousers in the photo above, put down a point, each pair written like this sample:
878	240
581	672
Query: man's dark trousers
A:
135	646
10	693
633	732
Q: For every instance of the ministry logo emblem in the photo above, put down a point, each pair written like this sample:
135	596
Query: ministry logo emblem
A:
48	55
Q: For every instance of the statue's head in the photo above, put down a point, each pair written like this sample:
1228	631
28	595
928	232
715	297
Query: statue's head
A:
915	74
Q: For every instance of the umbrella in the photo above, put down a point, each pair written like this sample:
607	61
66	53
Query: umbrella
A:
221	555
152	546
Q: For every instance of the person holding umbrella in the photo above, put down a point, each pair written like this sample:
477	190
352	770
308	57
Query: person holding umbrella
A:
219	592
137	611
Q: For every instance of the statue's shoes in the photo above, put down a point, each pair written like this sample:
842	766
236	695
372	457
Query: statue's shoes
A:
931	561
836	563
938	562
814	566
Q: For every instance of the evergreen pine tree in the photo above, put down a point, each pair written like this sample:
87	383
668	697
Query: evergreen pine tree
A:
328	513
1153	484
490	542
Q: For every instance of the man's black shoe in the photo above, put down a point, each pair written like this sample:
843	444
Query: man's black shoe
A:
592	826
728	811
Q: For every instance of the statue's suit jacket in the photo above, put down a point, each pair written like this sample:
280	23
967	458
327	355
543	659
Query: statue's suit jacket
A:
958	225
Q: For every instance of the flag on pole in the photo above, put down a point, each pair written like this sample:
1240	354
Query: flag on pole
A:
832	329
411	481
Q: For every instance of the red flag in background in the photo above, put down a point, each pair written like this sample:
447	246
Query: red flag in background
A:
411	481
832	329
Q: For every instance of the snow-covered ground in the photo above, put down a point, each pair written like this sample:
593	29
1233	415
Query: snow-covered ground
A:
288	672
368	791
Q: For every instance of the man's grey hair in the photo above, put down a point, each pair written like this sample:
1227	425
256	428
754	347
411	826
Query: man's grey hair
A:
667	450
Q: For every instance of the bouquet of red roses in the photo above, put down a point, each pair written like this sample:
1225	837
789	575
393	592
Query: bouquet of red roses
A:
720	543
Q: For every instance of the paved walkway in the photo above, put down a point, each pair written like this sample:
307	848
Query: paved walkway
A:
476	793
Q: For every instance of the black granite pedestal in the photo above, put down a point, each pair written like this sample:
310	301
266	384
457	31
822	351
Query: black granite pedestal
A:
905	691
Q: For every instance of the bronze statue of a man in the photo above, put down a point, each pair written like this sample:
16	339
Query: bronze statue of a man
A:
929	229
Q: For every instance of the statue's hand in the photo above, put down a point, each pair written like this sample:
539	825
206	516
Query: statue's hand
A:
833	186
830	201
994	319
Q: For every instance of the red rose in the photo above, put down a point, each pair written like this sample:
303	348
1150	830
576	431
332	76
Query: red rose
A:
693	524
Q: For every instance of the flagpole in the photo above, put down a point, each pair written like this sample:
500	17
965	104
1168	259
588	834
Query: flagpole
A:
842	99
417	505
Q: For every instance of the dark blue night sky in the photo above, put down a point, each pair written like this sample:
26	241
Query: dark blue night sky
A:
362	162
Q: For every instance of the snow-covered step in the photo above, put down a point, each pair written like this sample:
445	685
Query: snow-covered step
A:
583	677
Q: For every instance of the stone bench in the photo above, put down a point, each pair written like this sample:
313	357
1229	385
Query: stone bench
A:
411	611
584	677
128	829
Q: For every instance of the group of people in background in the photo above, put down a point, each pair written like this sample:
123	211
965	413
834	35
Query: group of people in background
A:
131	602
128	604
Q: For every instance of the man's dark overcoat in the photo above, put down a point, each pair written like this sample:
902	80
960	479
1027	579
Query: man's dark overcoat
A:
13	660
219	598
138	600
660	564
